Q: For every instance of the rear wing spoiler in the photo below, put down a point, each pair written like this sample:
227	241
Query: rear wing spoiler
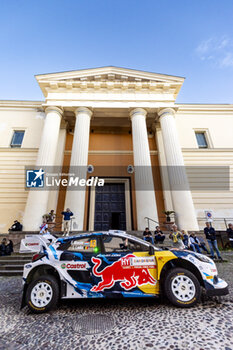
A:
33	244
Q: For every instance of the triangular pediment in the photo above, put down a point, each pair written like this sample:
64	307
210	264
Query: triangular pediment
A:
114	79
109	73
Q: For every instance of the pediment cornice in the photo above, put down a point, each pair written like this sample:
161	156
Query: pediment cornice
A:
109	78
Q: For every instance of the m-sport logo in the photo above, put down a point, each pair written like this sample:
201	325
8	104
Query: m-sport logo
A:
35	178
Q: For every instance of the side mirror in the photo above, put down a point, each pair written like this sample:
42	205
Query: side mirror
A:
151	250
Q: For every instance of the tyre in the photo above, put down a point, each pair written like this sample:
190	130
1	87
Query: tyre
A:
42	294
182	288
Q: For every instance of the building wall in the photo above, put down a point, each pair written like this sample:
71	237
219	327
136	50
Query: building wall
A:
218	126
13	196
27	119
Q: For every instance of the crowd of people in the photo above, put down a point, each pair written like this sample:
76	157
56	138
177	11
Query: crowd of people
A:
183	240
180	239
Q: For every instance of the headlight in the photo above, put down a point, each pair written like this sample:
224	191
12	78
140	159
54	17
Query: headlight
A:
203	258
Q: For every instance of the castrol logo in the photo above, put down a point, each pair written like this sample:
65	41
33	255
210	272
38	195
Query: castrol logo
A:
75	266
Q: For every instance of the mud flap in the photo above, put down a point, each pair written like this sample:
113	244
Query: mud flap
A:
23	302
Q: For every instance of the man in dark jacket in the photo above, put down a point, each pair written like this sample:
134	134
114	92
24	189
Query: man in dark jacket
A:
16	226
210	234
67	216
230	234
147	235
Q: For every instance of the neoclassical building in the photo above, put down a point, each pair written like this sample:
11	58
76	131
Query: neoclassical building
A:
124	125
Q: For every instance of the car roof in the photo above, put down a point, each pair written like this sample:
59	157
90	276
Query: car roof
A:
116	233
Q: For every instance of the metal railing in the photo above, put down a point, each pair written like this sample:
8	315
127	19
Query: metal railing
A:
58	222
219	223
148	221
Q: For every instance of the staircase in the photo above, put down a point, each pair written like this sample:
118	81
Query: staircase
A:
12	265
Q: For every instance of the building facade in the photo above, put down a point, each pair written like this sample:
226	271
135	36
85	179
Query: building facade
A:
124	126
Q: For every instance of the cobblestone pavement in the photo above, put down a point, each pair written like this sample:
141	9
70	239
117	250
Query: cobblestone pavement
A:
127	324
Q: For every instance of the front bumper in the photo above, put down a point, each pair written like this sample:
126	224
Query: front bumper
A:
217	292
218	289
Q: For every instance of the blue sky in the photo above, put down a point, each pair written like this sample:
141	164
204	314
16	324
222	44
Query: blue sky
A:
187	38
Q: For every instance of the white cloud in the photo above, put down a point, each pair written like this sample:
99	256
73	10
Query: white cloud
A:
219	51
227	61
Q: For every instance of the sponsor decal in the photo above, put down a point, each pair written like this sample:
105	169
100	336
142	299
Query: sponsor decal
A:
137	262
121	271
28	266
209	277
75	266
191	259
31	244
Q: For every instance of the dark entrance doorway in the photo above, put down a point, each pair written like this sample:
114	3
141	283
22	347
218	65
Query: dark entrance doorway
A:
110	207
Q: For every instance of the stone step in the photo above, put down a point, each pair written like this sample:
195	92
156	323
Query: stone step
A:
14	262
16	253
16	257
12	267
11	273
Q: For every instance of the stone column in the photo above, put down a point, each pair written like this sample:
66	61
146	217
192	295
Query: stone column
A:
181	194
37	200
75	198
53	195
163	170
145	194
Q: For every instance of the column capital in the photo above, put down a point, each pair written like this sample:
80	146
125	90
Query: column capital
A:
165	111
54	109
83	110
136	111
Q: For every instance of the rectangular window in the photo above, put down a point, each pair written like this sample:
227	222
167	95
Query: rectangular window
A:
201	139
17	138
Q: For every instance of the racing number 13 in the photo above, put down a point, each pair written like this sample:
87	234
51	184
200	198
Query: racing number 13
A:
93	243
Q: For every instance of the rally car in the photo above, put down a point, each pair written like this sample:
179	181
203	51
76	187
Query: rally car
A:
114	264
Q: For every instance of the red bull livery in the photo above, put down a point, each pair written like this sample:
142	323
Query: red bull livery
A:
113	264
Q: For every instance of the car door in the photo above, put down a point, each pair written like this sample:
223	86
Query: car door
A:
125	268
76	259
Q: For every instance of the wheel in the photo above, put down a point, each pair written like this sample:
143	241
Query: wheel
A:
42	294
182	288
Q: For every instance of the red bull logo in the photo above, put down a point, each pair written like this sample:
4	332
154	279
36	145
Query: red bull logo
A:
121	271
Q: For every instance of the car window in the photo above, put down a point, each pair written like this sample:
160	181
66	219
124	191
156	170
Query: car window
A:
83	245
121	244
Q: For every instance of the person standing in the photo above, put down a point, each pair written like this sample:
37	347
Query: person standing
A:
185	239
210	234
230	234
43	226
67	215
51	216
